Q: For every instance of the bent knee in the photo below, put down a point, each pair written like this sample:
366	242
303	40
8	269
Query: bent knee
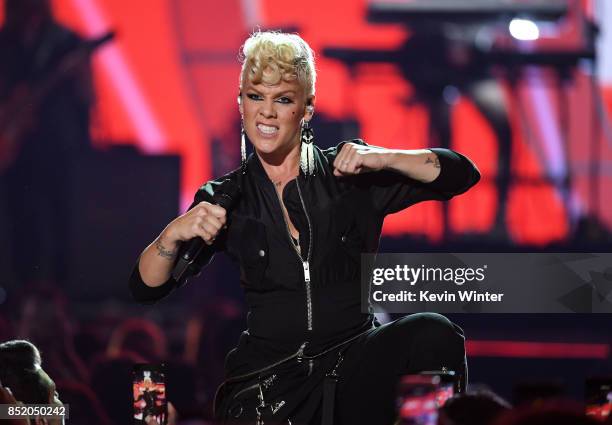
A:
434	325
438	343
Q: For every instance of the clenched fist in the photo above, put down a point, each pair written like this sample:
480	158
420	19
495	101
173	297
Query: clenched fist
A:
204	220
357	159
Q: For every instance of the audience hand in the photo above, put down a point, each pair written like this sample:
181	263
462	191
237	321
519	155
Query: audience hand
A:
6	397
172	417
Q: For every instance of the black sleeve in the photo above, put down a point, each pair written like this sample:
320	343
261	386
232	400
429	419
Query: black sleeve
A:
149	295
391	192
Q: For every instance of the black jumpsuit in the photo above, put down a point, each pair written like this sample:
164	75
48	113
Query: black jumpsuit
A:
305	306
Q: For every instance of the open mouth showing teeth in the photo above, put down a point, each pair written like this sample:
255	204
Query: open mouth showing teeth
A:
267	129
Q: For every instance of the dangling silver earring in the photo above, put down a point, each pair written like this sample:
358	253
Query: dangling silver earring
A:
243	157
307	149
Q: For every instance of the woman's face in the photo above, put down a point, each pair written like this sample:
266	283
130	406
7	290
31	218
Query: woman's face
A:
272	116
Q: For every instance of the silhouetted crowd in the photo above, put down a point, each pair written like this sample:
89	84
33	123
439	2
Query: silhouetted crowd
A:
90	359
46	355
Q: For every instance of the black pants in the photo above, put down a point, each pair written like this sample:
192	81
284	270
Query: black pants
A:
373	365
369	373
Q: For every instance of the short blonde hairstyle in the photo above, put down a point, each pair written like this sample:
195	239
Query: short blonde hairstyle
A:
271	56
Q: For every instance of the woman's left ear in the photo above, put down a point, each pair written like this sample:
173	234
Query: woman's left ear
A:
309	108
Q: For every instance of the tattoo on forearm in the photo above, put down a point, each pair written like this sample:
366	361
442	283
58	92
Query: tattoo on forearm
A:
169	254
436	162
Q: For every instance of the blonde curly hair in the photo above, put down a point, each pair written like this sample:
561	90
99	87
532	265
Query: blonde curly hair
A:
272	56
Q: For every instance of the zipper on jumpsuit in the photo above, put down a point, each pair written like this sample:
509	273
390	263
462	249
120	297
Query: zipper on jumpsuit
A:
305	263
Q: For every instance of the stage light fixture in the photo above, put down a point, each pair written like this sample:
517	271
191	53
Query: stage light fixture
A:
524	29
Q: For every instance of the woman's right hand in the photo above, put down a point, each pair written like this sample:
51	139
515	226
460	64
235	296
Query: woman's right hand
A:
204	220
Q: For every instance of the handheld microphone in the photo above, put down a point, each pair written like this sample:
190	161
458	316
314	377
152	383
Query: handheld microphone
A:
226	196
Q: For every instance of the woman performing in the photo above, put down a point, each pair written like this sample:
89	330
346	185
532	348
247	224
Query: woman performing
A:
304	216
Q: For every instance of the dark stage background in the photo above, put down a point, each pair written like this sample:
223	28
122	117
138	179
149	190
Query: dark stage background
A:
164	120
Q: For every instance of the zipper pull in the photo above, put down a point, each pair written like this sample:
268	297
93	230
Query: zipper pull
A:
306	271
300	352
262	404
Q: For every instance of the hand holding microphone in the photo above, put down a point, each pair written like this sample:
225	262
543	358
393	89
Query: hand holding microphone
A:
204	221
202	224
